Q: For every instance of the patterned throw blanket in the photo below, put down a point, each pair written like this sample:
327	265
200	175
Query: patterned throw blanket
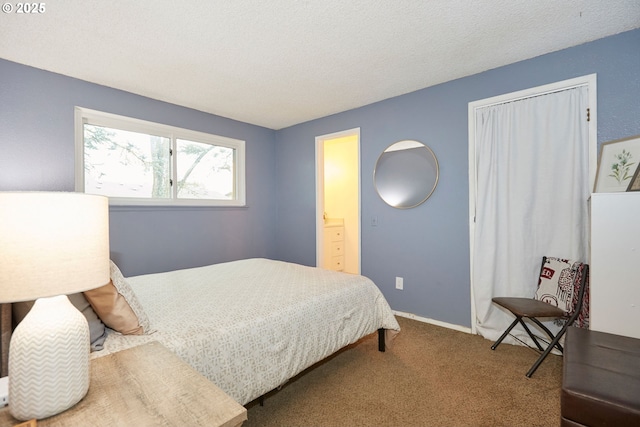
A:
582	321
559	285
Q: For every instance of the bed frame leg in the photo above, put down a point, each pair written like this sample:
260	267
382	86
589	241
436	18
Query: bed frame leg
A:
381	340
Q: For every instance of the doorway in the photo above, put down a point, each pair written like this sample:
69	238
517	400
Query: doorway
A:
338	195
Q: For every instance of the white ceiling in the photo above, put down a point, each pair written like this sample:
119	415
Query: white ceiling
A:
276	63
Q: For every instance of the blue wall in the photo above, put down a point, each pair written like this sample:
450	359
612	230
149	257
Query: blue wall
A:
37	153
429	245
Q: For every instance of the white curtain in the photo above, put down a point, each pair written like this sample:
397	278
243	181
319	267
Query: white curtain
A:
532	166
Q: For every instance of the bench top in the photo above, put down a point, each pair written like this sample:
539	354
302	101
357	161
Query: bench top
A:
601	378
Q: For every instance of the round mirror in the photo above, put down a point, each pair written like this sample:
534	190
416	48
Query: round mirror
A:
406	174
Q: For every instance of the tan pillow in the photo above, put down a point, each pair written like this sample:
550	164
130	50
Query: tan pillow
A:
117	306
113	309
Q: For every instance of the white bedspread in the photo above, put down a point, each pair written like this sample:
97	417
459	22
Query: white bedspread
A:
250	325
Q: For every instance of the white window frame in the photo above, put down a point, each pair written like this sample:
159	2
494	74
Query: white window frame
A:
99	118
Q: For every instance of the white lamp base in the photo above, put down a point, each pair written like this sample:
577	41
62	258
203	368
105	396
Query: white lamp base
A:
48	360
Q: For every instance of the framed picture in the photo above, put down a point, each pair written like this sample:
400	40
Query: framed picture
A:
634	185
616	165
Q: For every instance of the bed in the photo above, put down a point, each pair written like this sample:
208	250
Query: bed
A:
251	325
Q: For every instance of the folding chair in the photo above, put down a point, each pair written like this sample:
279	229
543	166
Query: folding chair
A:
562	289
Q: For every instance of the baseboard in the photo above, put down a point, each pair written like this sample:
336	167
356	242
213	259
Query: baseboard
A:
432	321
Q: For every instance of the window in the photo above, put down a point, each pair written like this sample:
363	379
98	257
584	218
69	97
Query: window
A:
135	162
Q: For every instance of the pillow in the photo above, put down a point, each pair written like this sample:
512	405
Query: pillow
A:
117	305
555	285
97	331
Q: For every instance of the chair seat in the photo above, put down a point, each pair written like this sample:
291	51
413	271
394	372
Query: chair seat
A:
527	307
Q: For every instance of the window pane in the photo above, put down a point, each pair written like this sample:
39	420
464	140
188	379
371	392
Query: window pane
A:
205	171
120	163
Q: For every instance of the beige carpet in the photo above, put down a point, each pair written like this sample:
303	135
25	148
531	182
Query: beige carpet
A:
432	376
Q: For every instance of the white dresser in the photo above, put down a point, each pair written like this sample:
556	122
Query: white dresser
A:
334	244
615	263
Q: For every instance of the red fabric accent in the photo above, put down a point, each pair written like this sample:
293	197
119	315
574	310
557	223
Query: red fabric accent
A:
547	273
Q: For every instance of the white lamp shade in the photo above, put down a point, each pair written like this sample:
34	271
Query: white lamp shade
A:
52	243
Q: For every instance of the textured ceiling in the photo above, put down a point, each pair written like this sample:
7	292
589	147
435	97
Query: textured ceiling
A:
276	63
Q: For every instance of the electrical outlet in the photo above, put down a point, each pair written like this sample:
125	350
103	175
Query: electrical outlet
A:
399	283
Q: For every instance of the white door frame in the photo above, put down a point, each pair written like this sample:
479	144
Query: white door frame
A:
320	193
590	82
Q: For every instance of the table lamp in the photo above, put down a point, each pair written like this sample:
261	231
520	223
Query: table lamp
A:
51	244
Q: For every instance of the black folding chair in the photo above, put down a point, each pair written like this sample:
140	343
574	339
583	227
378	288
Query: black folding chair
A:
561	292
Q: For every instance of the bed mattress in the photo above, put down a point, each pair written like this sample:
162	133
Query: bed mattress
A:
250	325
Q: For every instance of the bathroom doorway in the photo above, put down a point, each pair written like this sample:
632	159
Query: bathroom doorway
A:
338	201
